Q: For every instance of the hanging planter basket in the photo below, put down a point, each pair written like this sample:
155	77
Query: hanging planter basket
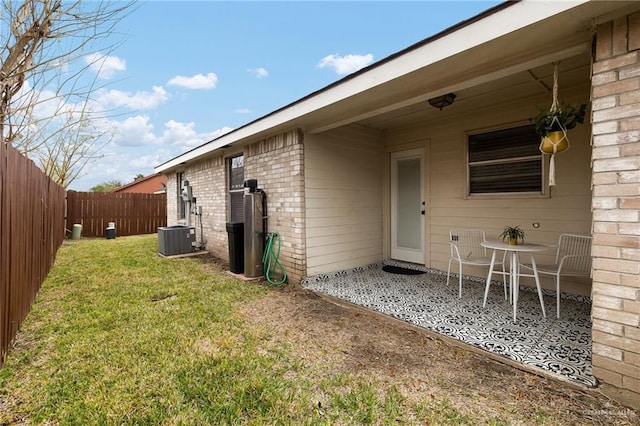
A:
552	126
556	139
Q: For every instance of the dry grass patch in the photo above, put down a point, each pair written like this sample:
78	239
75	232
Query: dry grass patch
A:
427	372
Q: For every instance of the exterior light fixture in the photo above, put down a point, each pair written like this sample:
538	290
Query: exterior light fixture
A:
442	101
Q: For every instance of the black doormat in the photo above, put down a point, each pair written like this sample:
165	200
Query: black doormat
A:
402	271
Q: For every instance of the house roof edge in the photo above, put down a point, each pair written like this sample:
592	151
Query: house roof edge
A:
288	114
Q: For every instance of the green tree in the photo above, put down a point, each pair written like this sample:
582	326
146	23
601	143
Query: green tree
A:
106	186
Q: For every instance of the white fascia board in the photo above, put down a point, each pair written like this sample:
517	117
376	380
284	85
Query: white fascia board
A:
491	27
505	21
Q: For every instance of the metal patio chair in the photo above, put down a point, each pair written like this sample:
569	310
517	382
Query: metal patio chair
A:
466	250
573	258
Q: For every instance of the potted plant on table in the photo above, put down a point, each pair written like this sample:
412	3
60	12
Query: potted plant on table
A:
513	234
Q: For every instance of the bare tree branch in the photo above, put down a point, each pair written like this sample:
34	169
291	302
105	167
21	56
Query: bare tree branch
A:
47	105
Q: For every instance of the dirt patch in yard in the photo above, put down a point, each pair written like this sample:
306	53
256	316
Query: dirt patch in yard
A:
334	337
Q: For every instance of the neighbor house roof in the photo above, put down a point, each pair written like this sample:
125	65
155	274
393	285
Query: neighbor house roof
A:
152	184
502	38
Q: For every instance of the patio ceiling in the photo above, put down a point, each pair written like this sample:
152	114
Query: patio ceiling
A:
490	70
535	83
503	67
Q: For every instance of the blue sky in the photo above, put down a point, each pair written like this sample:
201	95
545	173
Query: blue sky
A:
188	72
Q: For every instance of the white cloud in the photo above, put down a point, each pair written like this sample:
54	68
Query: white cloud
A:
146	162
183	135
219	132
134	131
198	81
259	72
106	167
243	111
128	154
51	111
105	66
177	133
346	64
45	103
135	101
136	146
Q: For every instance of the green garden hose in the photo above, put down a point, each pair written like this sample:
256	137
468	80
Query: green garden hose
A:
271	261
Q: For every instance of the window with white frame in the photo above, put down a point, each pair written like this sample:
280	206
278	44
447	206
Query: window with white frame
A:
236	188
506	161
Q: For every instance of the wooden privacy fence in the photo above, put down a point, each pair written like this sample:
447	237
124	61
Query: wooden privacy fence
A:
132	213
31	231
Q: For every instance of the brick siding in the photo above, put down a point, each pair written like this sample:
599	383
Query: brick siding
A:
616	206
208	180
172	200
277	164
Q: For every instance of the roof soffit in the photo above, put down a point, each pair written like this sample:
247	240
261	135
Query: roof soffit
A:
521	36
454	74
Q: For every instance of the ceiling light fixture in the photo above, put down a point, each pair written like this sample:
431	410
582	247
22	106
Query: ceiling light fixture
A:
442	101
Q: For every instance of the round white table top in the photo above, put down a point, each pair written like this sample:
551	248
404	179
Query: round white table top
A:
523	247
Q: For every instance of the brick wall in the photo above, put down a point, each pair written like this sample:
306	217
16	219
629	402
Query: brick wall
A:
277	164
616	207
208	180
172	200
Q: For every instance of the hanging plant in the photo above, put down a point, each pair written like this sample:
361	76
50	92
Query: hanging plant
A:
565	116
552	126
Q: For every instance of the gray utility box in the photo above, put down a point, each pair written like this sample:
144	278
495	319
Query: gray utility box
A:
178	239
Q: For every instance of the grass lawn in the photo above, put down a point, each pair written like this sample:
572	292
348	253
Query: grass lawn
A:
119	335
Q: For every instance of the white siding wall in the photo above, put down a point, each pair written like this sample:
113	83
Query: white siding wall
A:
568	209
343	181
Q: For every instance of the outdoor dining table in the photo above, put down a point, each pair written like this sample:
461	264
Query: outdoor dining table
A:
514	269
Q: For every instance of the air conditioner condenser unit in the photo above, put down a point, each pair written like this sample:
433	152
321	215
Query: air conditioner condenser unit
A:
178	239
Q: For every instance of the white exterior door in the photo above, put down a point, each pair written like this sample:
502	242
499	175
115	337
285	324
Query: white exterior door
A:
407	206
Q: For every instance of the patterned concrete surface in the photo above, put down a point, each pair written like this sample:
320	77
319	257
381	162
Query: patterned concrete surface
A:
558	346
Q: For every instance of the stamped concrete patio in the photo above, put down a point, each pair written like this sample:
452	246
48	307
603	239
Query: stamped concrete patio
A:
553	347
